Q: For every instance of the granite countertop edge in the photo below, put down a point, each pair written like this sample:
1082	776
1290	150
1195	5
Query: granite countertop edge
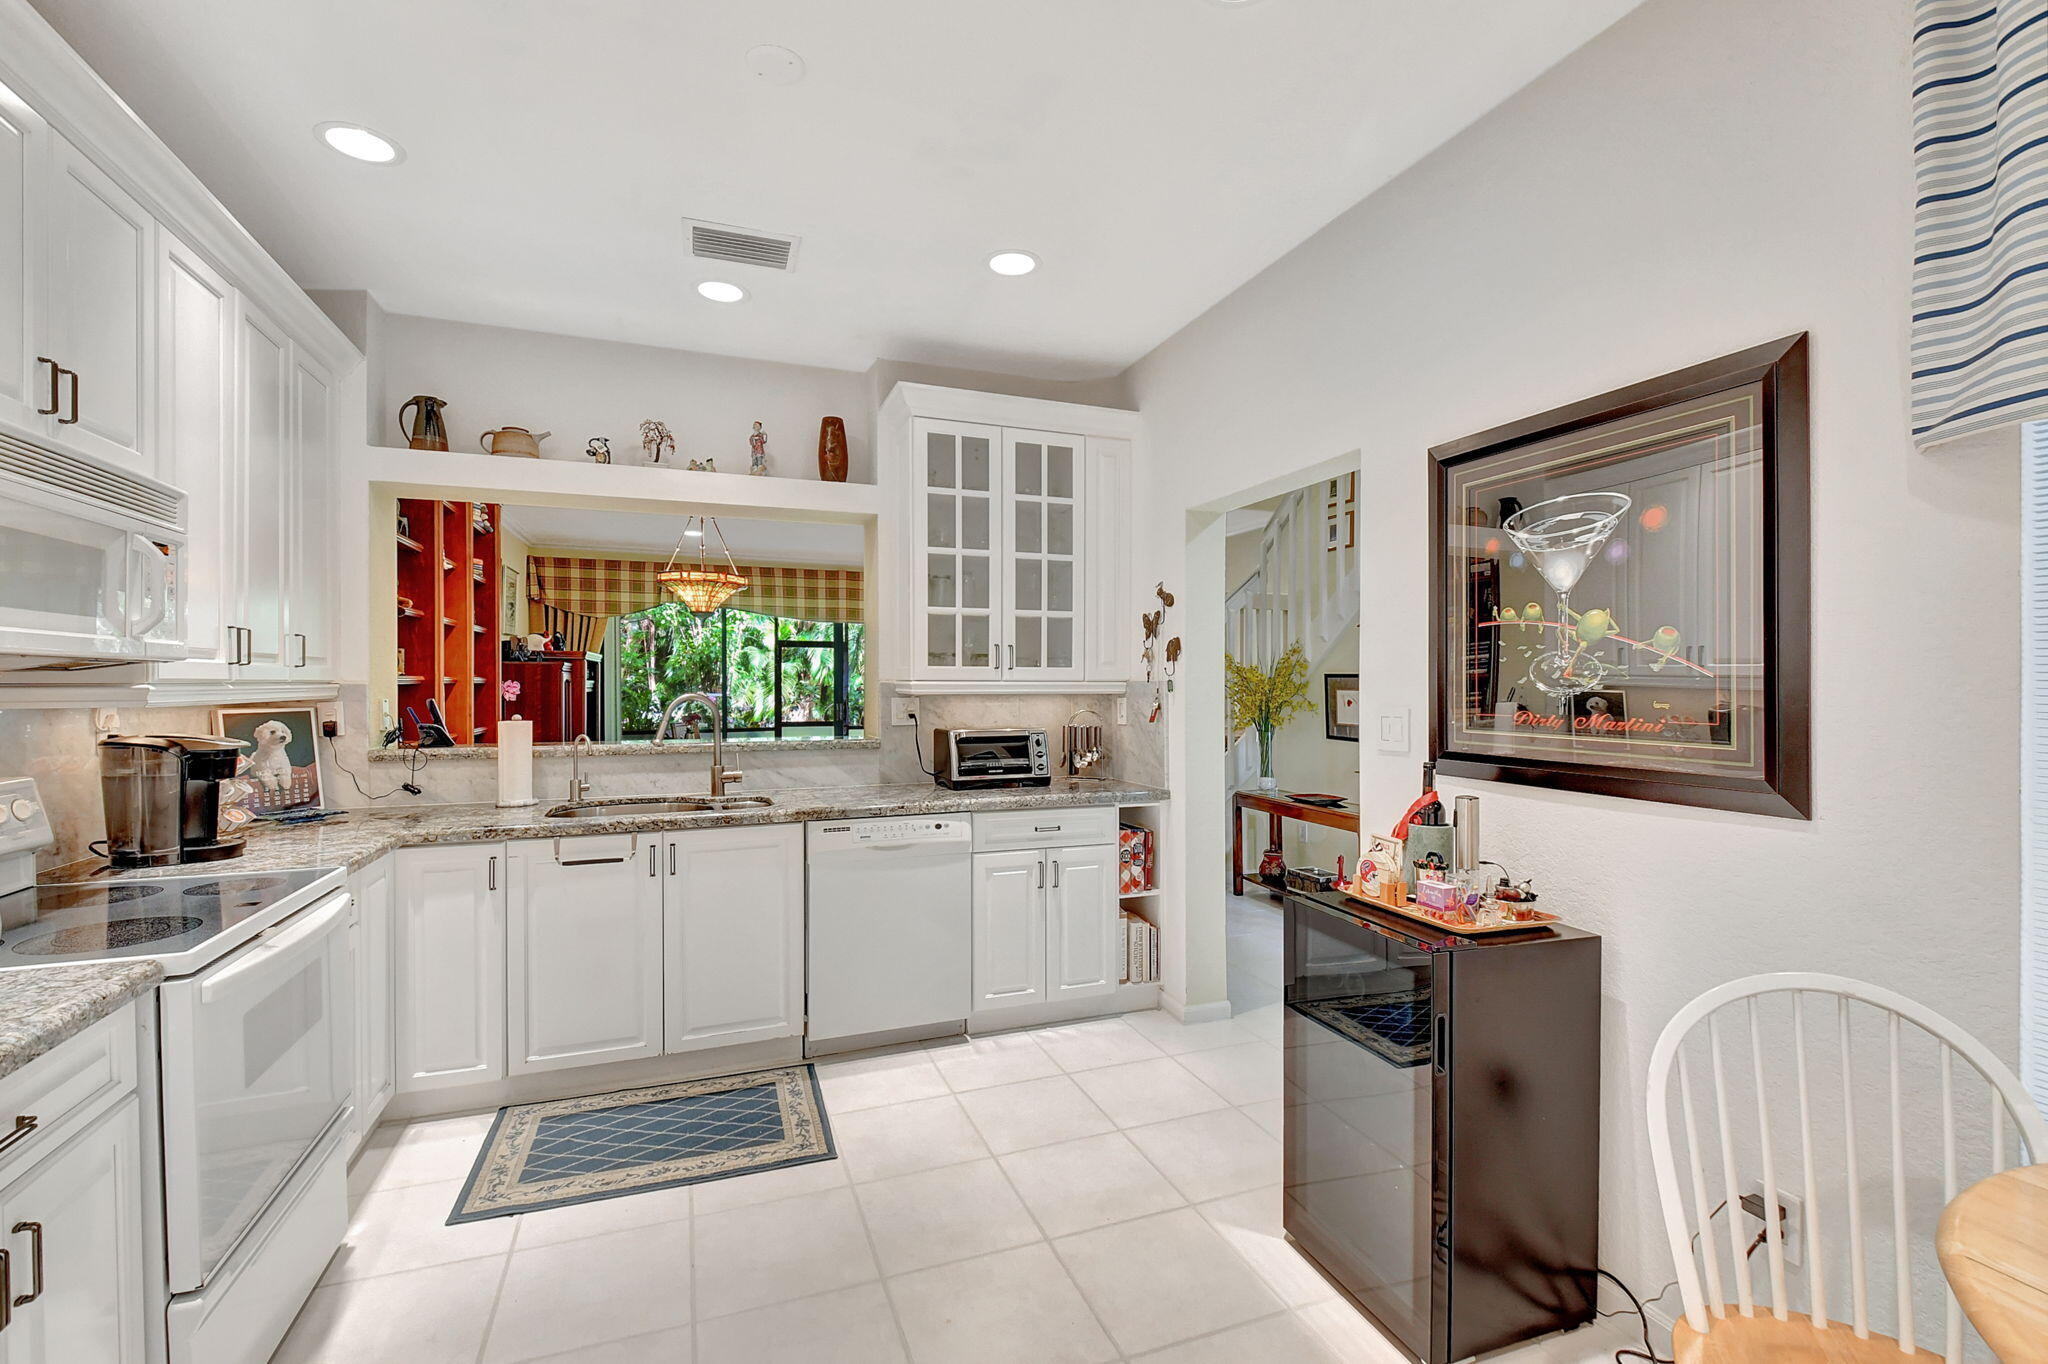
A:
642	749
42	1007
367	835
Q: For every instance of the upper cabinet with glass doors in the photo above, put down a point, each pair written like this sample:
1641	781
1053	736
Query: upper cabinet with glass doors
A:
1011	571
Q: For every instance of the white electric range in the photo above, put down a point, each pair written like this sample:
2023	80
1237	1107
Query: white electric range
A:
255	1064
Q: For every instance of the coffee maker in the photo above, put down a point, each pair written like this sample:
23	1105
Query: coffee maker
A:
162	798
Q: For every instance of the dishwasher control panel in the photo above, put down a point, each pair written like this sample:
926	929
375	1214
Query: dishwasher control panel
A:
862	833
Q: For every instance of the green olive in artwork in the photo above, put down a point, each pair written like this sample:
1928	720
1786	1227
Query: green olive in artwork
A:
1665	642
1506	613
1533	612
1594	626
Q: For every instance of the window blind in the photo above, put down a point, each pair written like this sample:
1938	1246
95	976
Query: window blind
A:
2034	764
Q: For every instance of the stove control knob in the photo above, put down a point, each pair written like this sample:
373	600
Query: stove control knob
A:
23	808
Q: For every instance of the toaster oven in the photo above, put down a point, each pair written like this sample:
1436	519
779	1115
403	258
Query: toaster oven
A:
963	759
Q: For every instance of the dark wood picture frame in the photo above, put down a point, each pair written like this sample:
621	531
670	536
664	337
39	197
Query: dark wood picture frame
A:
1785	788
1332	729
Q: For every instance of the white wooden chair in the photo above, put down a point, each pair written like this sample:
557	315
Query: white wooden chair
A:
1832	1163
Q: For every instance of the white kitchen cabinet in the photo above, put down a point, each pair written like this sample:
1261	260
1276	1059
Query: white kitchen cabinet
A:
99	311
195	351
734	915
371	886
263	510
1012	541
1009	929
584	982
309	644
73	1234
1081	922
449	1000
25	380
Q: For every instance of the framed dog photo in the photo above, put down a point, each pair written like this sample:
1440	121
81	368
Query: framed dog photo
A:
281	769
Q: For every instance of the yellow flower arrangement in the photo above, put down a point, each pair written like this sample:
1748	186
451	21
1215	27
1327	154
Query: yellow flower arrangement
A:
1263	699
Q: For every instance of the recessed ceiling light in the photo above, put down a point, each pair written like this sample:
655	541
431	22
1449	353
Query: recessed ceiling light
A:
1013	262
718	291
351	139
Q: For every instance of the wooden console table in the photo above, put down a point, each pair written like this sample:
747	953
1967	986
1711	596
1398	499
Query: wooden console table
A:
1278	806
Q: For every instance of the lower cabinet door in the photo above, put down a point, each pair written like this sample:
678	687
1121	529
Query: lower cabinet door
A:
585	942
1009	929
1081	922
371	887
734	915
450	1000
72	1229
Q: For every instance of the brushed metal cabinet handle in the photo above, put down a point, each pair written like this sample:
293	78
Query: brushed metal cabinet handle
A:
24	1124
493	884
671	859
1055	874
35	1262
653	862
71	420
56	373
6	1290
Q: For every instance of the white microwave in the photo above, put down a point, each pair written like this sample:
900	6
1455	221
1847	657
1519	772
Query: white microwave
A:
90	562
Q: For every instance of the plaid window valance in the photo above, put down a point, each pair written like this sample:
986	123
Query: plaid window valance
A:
620	587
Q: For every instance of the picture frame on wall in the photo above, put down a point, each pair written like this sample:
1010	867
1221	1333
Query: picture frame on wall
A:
1340	706
513	587
1620	590
281	770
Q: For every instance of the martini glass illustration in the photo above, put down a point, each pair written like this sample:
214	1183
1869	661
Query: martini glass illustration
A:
1561	536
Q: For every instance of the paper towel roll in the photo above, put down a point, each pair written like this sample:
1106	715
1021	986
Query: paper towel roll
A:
515	762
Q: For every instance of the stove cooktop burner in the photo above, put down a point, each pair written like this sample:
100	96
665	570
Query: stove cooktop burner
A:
64	897
240	887
105	936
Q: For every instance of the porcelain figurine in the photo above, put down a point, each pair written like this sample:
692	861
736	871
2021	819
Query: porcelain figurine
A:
655	441
704	466
757	452
599	450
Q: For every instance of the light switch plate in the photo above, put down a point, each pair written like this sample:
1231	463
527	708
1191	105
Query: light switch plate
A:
1394	731
902	710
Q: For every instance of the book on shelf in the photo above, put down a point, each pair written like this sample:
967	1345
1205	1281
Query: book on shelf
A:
1138	950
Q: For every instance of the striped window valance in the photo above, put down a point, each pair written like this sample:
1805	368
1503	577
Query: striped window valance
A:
620	587
1980	236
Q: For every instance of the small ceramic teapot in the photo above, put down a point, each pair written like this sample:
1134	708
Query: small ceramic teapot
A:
513	440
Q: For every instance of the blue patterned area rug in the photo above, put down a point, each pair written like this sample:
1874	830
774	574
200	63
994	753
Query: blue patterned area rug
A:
549	1155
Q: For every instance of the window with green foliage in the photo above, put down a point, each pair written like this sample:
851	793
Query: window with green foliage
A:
790	678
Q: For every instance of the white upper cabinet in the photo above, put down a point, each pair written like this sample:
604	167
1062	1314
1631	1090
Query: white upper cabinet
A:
195	435
98	312
25	381
264	510
309	647
1010	545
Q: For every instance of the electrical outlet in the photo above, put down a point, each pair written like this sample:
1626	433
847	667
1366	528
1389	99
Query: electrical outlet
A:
1123	710
1794	1229
329	714
903	710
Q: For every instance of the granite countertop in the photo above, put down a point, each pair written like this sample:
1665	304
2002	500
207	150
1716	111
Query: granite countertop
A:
366	835
42	1006
687	748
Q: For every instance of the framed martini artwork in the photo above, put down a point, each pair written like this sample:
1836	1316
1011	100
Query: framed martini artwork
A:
1620	590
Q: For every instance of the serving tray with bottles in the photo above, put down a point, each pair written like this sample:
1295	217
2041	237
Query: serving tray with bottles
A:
1408	909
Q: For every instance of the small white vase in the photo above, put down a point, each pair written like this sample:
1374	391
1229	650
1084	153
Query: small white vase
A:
1269	783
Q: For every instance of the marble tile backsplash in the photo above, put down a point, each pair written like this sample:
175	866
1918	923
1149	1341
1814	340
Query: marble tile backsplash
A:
57	748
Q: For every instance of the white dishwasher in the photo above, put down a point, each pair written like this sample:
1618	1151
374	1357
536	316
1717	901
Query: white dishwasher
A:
891	926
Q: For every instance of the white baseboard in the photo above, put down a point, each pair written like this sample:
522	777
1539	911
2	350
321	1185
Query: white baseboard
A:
1191	1014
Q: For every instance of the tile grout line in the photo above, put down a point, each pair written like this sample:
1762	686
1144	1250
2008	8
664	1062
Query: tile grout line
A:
1045	1239
881	1279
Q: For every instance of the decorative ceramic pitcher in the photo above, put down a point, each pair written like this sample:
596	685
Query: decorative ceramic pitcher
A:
427	431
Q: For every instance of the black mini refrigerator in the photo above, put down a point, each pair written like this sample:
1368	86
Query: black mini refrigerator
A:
1443	1123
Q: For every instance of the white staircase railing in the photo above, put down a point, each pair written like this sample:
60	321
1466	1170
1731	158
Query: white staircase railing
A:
1304	591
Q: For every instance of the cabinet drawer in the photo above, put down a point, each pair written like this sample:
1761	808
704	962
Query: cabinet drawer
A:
1044	828
82	1073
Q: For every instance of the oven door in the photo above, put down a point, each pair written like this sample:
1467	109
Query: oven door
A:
258	1060
1358	1164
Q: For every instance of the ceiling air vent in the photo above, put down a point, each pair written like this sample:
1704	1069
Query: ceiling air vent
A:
742	246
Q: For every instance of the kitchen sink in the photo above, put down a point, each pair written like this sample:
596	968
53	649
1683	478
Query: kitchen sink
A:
656	805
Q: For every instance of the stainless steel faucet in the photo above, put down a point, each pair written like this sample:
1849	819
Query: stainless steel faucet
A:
578	788
720	778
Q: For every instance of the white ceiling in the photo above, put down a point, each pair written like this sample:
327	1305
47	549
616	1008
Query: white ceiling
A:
781	542
1154	153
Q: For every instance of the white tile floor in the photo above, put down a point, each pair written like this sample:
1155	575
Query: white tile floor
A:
1093	1192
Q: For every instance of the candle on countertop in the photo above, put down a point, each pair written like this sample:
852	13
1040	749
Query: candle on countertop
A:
515	762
